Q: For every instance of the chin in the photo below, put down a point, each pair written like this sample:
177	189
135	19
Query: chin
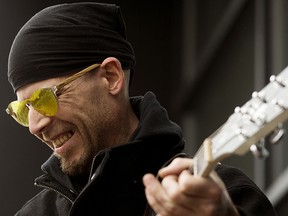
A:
76	166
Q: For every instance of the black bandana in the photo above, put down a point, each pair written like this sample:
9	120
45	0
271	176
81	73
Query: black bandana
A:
63	39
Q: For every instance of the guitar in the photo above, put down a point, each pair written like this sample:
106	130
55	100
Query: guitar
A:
246	128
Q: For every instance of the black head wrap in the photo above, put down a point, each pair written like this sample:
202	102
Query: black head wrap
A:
63	39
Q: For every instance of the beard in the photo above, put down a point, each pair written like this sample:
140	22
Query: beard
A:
76	166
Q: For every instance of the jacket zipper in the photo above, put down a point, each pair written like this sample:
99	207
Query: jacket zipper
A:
53	189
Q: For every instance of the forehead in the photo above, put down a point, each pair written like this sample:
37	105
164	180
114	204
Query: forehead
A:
27	90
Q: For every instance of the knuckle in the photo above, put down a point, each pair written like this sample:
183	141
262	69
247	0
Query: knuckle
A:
177	161
210	210
174	195
171	209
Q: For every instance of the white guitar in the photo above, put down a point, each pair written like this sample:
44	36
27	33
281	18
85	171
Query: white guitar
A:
245	128
248	125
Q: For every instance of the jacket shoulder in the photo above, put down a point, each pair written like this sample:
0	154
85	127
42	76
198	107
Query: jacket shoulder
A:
245	194
46	202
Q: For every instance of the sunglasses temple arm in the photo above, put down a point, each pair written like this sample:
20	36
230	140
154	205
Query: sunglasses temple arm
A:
74	77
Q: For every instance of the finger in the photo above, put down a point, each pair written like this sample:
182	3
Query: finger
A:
184	202
155	194
159	200
186	186
211	193
198	186
176	167
175	193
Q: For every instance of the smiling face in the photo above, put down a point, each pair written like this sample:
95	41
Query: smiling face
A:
90	113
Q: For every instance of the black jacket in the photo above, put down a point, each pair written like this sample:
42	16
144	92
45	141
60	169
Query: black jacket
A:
115	186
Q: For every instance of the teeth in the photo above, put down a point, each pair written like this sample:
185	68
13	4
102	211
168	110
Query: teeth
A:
61	140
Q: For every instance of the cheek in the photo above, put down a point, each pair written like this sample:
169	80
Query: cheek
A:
89	111
71	104
78	111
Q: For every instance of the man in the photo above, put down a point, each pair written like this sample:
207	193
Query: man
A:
70	66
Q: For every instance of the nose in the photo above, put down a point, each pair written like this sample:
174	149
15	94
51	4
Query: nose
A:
37	121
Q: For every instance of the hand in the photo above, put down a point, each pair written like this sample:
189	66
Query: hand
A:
181	193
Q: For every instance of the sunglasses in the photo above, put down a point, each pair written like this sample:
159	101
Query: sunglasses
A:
43	100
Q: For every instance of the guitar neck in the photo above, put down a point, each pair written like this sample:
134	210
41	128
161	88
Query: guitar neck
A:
256	119
203	163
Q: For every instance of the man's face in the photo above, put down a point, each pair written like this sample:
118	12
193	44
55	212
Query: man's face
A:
80	128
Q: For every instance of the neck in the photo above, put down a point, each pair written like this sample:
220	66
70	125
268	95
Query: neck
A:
127	122
130	124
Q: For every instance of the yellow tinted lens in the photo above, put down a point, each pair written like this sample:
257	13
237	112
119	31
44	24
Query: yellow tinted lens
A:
19	112
44	101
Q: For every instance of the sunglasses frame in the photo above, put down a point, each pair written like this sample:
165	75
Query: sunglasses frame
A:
55	89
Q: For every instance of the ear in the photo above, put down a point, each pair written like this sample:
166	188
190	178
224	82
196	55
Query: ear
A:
113	74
